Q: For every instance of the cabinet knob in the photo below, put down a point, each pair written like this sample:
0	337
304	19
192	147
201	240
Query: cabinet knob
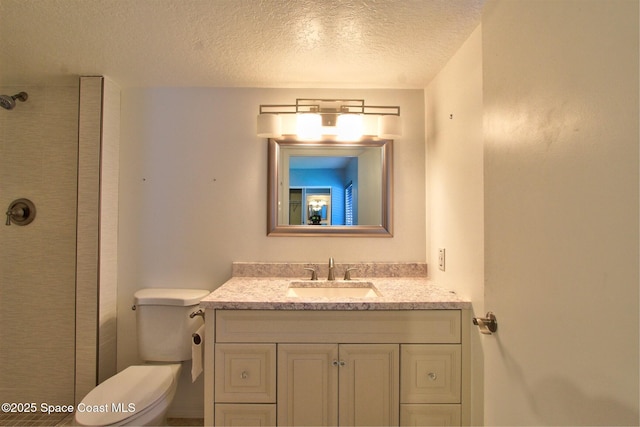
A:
244	375
432	376
338	363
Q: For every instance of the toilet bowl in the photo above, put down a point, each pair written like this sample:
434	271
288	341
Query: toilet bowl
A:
141	395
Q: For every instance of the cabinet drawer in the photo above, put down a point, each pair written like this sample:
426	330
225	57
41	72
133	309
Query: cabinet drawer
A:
253	415
245	373
430	373
430	415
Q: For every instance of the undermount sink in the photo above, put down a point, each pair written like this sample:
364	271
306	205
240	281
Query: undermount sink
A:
332	289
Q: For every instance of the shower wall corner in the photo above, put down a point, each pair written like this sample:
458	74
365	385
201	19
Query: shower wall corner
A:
97	233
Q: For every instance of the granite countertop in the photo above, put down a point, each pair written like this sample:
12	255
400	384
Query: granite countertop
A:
249	292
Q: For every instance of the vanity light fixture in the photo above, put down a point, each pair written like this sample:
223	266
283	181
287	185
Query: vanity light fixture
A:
344	119
317	205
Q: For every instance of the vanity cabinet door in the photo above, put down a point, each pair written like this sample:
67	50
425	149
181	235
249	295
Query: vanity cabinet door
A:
369	384
245	373
431	373
307	385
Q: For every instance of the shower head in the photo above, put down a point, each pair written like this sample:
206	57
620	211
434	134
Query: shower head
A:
8	102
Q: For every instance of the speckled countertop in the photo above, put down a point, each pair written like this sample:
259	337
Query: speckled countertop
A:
250	289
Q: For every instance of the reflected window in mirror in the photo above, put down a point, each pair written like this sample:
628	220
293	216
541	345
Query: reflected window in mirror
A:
348	205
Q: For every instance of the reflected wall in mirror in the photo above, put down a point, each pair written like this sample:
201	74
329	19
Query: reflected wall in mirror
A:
330	188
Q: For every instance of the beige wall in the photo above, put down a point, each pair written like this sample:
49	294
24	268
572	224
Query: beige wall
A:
561	211
455	186
193	196
38	161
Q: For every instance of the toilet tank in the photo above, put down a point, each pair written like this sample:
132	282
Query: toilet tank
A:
163	324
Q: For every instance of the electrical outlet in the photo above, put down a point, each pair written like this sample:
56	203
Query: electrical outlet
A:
441	259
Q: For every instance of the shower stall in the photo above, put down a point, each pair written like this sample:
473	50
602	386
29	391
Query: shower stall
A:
58	150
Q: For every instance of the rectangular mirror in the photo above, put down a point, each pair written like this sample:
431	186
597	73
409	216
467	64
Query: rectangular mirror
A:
330	188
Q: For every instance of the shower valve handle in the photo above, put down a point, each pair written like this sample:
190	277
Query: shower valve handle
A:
17	213
21	212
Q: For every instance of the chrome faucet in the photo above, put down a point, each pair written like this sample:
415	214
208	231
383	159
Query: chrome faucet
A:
332	267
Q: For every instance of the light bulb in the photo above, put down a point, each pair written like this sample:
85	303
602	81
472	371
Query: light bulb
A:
349	127
309	126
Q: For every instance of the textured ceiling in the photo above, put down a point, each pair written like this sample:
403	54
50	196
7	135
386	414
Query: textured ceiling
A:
233	43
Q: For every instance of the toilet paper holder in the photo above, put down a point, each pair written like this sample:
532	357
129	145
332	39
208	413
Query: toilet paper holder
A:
197	339
488	325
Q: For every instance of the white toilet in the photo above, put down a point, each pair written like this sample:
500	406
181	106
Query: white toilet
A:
141	395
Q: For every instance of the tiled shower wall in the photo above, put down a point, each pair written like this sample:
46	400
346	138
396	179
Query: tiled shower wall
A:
38	161
58	274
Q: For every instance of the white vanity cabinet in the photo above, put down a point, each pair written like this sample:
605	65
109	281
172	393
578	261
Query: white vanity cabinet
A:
323	367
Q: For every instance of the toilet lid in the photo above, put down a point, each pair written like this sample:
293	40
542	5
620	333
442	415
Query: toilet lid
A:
125	394
161	296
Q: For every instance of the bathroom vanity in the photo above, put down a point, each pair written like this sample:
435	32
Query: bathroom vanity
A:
378	351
